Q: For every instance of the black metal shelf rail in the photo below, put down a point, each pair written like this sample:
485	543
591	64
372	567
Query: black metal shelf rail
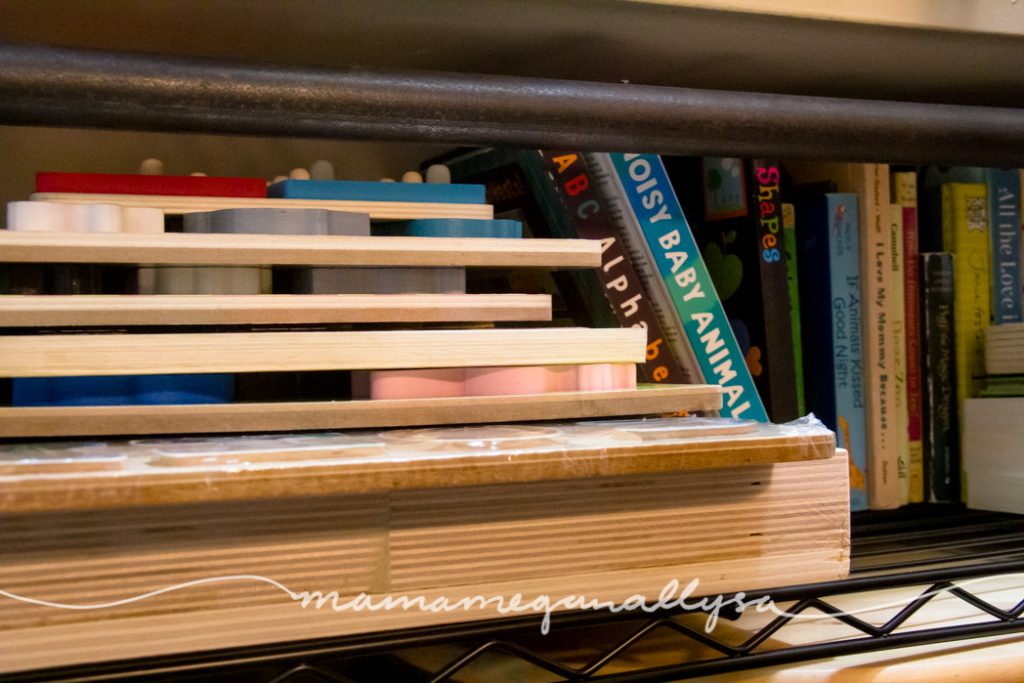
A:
83	88
366	657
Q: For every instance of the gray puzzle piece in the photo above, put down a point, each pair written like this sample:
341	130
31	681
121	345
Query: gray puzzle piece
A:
269	221
383	281
279	222
327	222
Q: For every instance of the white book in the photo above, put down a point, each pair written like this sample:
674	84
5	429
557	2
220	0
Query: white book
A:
992	461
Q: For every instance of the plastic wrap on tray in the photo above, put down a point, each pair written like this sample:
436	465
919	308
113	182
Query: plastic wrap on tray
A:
230	467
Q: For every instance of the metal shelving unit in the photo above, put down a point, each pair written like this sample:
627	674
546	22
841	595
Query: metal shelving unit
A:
926	547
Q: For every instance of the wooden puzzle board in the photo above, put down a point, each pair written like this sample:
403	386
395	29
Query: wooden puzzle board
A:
271	417
270	309
84	355
65	476
378	210
308	250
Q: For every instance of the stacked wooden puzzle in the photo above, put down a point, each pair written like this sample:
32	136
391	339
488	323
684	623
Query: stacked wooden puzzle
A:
141	308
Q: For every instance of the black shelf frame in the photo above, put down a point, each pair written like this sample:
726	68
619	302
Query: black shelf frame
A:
101	89
81	88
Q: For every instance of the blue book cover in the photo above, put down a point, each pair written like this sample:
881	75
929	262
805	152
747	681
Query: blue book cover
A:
1005	220
829	257
373	191
646	188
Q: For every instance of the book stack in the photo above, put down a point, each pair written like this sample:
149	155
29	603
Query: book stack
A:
994	471
1003	345
858	292
261	537
993	468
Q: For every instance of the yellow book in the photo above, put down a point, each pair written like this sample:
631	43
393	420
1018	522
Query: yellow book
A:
895	317
965	232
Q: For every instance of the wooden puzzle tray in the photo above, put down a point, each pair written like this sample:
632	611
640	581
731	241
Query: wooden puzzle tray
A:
300	250
267	309
68	421
73	355
378	210
36	477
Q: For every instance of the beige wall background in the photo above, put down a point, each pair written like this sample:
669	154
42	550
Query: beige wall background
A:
28	150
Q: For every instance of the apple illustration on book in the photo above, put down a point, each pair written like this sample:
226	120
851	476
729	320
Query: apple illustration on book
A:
726	270
753	359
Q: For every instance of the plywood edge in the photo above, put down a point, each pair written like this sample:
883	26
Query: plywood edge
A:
247	625
62	355
377	210
70	421
311	250
200	309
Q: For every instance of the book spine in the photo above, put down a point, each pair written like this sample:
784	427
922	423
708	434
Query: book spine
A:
876	284
814	258
775	303
965	231
847	337
827	255
789	243
644	184
569	173
895	315
941	441
905	190
517	192
642	257
1004	187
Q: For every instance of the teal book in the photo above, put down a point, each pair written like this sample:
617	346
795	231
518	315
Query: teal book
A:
844	261
645	188
1004	192
518	187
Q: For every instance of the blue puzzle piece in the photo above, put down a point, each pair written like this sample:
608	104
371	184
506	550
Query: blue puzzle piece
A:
450	227
361	190
73	391
184	389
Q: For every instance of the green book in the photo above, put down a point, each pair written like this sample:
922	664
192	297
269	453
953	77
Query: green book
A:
789	245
